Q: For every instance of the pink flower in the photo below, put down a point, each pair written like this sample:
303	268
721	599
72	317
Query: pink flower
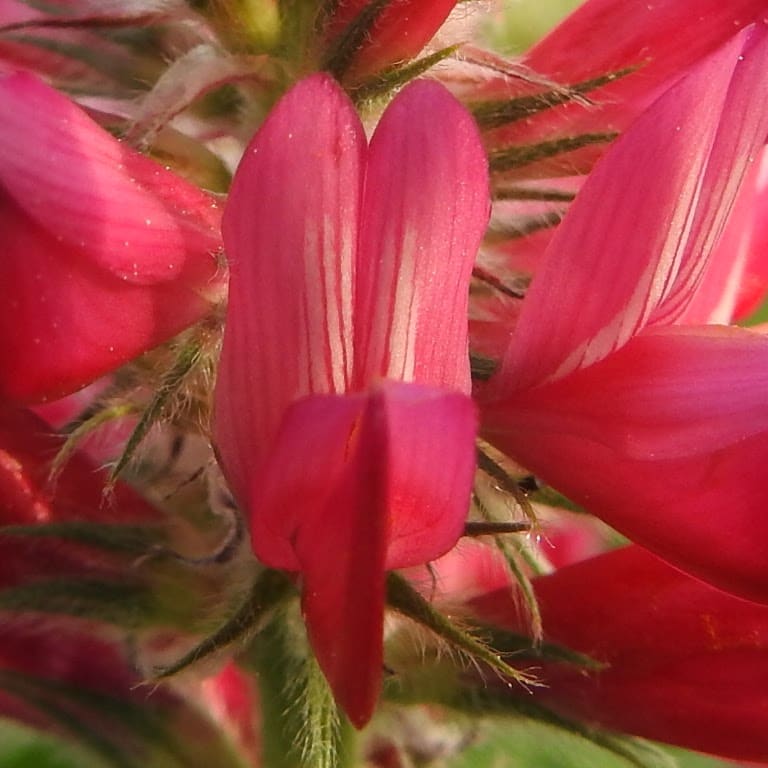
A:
106	253
341	417
685	663
539	148
660	429
682	662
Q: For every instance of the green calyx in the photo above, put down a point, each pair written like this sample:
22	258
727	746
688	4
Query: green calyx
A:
510	158
494	114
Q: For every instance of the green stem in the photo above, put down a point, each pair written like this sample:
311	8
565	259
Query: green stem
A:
301	724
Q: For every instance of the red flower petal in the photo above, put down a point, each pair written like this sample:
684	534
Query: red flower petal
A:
27	497
291	232
665	36
326	299
354	486
634	243
665	439
106	253
736	278
687	664
424	212
27	448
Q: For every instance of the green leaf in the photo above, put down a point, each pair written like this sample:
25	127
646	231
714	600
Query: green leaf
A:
520	23
22	747
138	732
494	699
46	696
525	743
522	743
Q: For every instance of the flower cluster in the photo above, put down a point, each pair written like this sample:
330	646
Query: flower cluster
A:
331	345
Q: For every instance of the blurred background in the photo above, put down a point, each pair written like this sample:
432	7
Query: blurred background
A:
517	24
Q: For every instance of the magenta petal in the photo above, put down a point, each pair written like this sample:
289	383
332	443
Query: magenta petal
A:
130	216
308	460
426	207
354	486
736	279
290	230
664	37
13	12
669	393
321	507
659	42
65	322
687	663
431	455
666	440
425	453
727	272
106	254
634	244
342	557
27	497
82	12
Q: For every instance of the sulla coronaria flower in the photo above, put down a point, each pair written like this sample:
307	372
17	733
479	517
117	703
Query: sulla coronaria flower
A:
669	658
684	662
342	416
547	121
609	389
106	253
